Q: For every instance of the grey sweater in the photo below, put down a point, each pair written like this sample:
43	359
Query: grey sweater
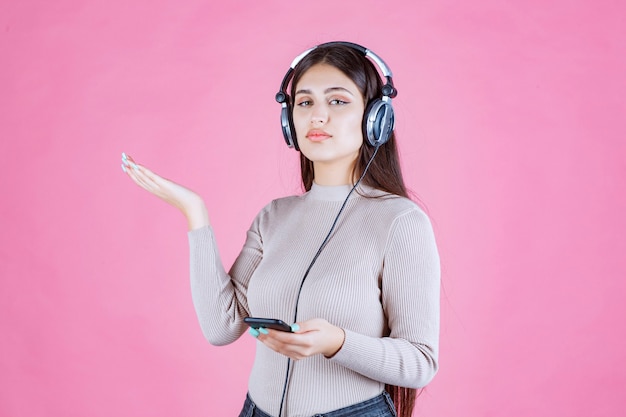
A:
378	278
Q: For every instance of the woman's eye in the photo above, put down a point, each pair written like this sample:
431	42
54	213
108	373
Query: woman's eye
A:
337	101
304	103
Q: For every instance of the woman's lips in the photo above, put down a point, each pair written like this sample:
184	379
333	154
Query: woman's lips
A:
317	135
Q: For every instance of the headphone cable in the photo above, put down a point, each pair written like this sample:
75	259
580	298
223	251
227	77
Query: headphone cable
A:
317	254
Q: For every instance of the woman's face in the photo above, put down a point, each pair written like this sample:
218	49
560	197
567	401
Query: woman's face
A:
327	115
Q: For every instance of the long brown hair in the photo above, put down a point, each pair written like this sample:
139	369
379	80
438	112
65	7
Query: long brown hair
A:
384	172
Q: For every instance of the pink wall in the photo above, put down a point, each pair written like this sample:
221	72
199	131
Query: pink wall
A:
511	121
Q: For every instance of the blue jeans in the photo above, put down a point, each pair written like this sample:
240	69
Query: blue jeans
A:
379	406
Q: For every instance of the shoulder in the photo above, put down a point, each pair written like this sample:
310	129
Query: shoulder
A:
281	204
391	218
393	207
410	229
277	209
399	218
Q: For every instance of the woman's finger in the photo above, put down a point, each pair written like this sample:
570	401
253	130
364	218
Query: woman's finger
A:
141	182
141	175
288	344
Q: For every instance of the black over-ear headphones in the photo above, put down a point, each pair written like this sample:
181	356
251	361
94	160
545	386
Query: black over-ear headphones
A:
378	119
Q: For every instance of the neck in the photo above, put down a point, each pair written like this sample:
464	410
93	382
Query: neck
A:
333	174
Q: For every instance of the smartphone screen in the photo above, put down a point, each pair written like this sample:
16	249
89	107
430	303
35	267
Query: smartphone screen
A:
256	322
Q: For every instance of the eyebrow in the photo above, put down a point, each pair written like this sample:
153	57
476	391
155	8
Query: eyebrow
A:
328	90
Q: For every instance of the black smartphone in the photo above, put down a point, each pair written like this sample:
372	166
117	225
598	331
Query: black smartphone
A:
256	322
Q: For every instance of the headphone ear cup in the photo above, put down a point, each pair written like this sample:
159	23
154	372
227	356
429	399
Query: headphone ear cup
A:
286	122
378	122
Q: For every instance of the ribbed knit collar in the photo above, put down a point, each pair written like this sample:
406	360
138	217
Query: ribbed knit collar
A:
331	192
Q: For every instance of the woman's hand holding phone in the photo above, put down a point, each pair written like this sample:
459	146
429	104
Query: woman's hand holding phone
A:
307	338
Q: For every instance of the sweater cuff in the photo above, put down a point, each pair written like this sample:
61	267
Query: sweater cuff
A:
351	352
200	234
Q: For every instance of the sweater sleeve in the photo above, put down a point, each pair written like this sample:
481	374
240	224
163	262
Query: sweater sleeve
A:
220	298
410	299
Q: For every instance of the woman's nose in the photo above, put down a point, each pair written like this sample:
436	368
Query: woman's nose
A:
319	115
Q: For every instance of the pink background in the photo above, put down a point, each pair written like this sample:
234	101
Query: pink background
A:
511	120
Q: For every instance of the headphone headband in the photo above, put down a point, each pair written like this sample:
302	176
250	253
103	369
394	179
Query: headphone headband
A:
281	96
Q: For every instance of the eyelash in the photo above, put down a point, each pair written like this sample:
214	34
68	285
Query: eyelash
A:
334	101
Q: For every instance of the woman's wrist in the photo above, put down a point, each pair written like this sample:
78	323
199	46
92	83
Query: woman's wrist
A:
196	214
339	337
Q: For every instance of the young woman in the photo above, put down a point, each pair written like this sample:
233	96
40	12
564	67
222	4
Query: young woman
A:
352	263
